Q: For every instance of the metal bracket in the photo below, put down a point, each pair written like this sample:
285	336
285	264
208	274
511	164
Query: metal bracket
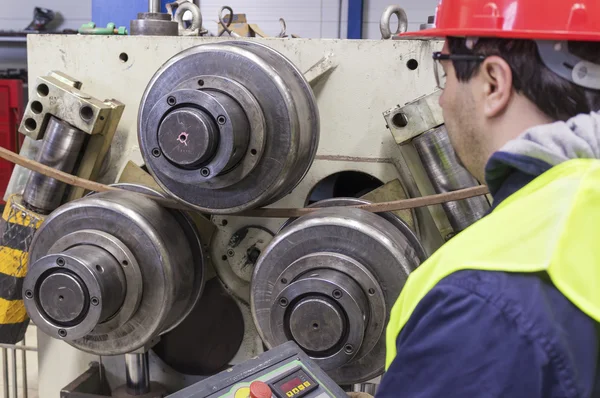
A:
89	384
324	66
60	95
408	121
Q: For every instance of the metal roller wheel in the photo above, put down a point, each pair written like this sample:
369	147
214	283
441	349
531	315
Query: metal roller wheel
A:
328	281
394	219
112	271
225	127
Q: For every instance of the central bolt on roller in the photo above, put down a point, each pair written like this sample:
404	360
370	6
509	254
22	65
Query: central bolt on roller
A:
225	127
111	271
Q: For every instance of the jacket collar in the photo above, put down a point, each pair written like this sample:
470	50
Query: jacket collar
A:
540	148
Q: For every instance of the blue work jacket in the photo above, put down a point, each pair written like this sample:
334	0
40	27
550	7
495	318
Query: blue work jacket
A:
495	334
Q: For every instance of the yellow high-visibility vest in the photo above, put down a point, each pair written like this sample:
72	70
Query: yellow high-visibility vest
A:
551	225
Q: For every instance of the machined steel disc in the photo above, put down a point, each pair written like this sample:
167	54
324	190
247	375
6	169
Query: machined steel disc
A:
328	281
389	216
228	126
155	253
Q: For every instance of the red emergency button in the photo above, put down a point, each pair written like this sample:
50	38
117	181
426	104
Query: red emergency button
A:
260	389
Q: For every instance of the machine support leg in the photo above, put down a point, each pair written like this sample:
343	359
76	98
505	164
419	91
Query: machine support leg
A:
137	373
5	369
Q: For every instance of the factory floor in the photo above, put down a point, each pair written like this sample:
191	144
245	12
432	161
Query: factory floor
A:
32	369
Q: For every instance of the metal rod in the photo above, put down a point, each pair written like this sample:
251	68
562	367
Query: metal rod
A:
369	388
60	150
153	5
15	387
18	347
137	373
24	363
447	175
5	370
262	212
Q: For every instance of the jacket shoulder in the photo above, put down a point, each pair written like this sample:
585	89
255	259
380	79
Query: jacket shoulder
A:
565	338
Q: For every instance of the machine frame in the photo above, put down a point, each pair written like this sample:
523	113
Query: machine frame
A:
354	82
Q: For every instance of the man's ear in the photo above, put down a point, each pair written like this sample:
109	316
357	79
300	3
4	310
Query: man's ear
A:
496	75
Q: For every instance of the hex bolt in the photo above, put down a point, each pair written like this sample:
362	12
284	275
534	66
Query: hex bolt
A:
155	152
62	332
337	294
283	302
28	294
95	301
221	119
205	172
60	262
349	348
171	100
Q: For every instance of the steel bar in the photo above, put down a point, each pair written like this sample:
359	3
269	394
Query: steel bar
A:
369	388
448	175
15	387
137	373
18	347
264	212
24	375
5	370
153	5
60	150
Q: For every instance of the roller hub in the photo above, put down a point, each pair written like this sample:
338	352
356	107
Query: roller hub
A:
111	271
253	126
63	297
317	324
328	281
75	290
188	137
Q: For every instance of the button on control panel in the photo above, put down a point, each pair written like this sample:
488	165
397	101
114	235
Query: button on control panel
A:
297	384
260	389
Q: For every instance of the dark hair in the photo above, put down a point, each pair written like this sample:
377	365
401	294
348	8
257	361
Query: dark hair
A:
553	95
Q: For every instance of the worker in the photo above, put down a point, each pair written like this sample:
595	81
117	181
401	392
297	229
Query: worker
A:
510	306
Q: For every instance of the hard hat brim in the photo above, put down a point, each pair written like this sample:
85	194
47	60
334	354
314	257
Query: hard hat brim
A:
504	34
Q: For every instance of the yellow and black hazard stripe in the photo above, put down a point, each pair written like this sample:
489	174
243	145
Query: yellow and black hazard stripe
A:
17	227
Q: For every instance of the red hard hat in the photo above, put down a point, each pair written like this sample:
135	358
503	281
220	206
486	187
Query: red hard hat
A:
517	19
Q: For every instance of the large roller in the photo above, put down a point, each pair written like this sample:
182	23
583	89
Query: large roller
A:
228	126
112	271
328	281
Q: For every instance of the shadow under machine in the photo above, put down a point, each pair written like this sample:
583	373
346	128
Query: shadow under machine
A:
165	299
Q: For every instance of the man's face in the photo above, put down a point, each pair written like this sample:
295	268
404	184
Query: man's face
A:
461	117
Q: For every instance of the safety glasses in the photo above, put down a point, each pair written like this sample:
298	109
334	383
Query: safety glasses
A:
440	75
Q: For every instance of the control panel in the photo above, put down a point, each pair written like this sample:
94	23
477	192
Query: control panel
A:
283	372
